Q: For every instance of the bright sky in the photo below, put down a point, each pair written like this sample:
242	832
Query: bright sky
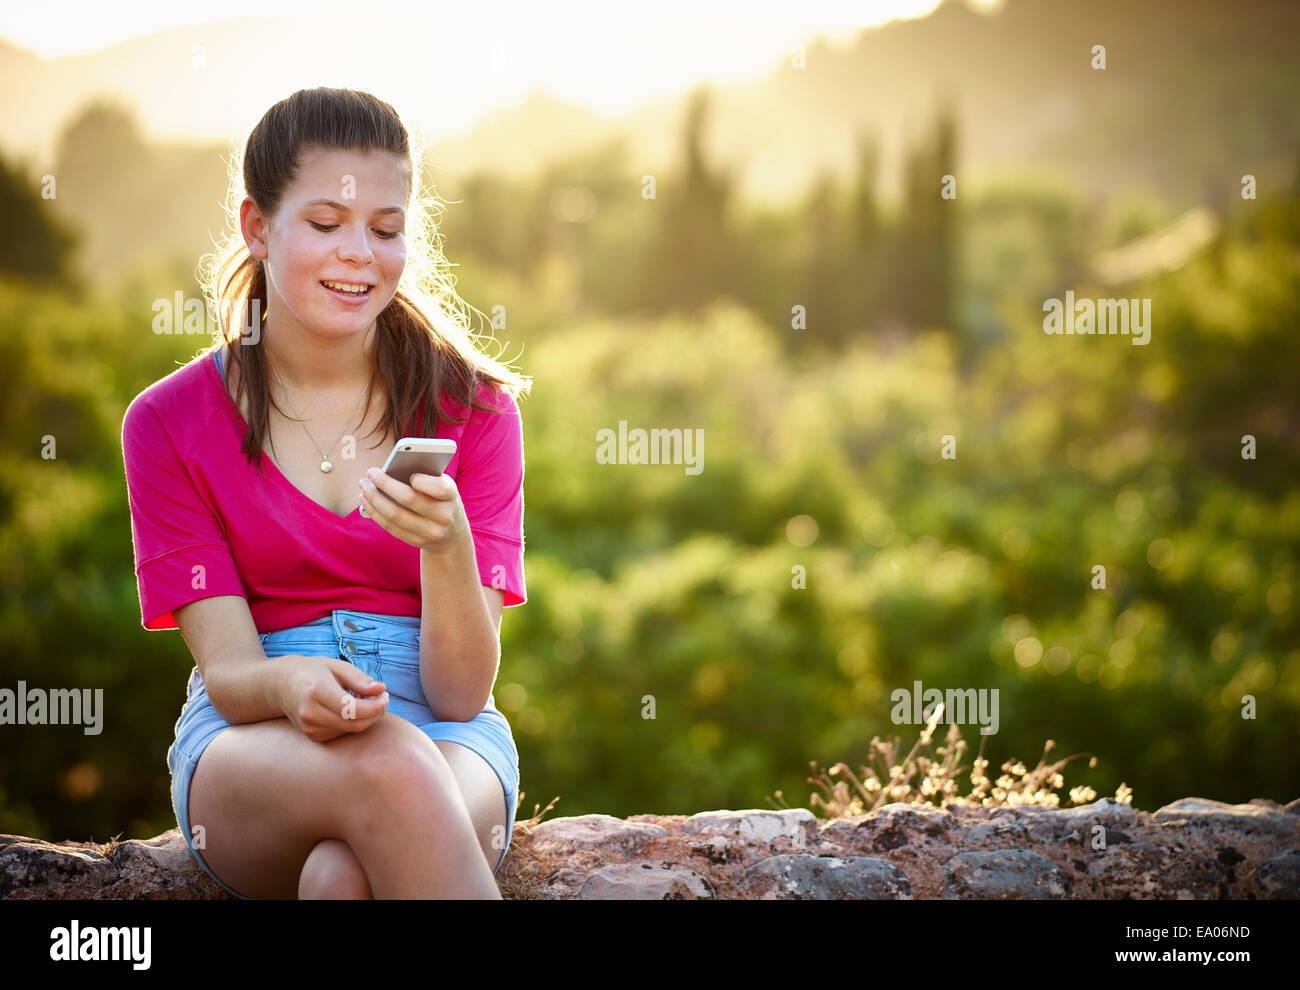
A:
649	49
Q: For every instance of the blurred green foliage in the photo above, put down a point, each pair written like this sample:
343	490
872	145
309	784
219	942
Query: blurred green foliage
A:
651	587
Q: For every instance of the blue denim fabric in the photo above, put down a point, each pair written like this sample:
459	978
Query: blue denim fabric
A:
386	647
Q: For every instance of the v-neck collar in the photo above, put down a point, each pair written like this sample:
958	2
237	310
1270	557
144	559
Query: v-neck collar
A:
266	461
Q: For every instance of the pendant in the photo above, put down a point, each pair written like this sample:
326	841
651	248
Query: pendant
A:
326	466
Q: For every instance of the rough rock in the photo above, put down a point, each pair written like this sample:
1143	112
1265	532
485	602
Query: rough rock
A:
1192	849
1279	877
1003	875
162	868
805	877
645	882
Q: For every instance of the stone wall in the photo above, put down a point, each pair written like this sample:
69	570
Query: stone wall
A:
1192	849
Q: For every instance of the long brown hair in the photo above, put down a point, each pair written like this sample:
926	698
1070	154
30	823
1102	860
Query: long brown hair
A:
423	347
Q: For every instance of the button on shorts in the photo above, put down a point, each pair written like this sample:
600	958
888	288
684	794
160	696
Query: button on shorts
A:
385	647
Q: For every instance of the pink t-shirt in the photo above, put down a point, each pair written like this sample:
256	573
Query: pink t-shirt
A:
204	522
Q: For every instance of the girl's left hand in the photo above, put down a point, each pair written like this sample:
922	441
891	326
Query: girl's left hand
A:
427	513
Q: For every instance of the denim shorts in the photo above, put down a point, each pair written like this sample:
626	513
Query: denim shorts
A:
386	647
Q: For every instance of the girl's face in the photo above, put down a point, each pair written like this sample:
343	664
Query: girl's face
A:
341	220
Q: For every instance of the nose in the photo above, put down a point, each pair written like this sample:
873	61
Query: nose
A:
355	245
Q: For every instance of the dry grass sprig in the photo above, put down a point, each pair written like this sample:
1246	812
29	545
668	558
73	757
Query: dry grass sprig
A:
890	780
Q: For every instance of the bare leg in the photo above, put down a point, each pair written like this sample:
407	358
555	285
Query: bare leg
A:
267	795
333	872
414	835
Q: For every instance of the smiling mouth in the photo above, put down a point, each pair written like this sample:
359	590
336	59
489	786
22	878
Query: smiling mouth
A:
353	290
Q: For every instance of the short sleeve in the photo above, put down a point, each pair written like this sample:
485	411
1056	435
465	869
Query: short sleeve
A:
490	480
181	554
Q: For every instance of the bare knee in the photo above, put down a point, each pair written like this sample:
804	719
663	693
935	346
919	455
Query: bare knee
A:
333	872
393	761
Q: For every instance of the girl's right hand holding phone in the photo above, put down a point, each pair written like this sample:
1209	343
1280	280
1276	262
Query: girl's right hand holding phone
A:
314	695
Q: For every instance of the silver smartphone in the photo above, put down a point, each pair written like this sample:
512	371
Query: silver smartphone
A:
416	455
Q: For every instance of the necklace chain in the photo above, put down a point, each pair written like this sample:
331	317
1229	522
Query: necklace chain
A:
325	464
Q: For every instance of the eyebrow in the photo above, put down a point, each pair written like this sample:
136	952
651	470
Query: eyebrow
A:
344	209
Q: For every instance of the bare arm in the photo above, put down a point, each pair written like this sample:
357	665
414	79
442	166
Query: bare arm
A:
321	697
242	685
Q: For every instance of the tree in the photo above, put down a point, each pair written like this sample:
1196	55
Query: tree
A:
33	243
694	256
925	276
